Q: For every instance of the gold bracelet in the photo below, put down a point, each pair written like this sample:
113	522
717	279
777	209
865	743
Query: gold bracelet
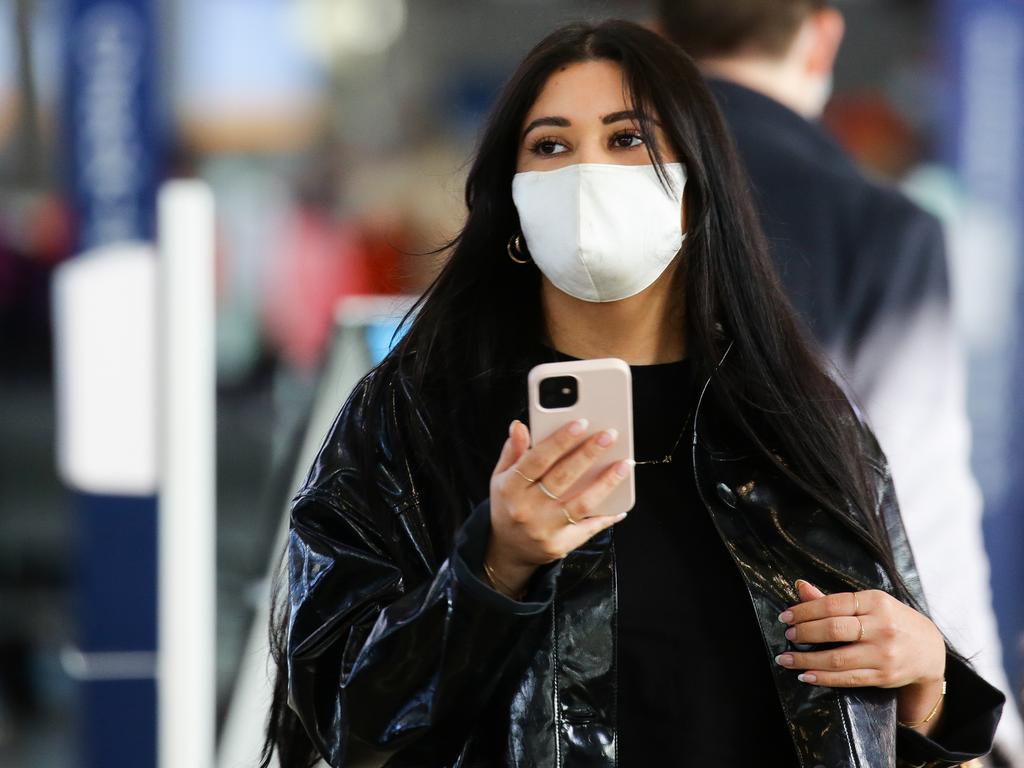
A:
932	713
499	584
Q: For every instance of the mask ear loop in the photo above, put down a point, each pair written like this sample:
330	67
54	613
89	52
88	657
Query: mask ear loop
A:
515	243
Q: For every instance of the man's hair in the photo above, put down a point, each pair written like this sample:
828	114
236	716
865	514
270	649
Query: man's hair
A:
713	28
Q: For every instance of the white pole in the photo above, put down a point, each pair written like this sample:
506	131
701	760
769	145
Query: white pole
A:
187	530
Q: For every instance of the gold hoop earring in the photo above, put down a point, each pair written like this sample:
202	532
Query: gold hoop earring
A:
516	243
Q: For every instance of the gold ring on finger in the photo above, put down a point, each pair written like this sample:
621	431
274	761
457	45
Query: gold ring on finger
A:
856	605
569	517
530	480
547	491
861	638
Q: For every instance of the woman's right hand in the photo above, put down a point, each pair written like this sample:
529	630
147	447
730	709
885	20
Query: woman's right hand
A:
528	528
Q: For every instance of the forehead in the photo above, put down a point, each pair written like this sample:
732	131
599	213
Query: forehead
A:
581	91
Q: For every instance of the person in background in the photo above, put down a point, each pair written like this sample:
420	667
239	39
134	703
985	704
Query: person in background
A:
867	270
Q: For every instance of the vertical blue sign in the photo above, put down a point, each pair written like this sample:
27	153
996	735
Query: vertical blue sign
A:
111	119
984	142
113	165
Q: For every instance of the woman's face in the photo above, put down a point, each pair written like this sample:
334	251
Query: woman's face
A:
582	116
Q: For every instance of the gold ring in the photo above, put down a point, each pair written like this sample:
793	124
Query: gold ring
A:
861	638
530	480
569	517
547	491
856	604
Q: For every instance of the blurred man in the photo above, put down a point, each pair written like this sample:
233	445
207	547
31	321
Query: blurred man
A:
867	269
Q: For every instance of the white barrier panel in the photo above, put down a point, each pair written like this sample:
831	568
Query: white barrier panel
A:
105	358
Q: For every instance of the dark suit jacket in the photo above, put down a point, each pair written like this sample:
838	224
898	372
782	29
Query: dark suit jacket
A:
849	251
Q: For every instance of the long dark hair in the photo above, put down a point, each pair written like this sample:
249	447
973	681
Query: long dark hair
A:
481	316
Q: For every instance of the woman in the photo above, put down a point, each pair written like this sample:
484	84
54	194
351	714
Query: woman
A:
450	603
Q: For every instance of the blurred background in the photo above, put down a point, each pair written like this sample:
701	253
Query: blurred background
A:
335	136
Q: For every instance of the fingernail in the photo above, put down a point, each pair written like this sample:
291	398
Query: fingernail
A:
578	427
622	516
807	677
784	660
786	617
622	469
607	437
791	633
511	428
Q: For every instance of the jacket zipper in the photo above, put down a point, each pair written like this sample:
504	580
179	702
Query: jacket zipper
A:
555	698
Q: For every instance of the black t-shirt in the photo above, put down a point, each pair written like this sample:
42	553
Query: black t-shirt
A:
695	684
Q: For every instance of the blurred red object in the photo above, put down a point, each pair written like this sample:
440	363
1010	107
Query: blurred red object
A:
50	229
872	131
321	261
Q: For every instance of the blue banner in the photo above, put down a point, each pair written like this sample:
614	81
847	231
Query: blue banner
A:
984	143
112	119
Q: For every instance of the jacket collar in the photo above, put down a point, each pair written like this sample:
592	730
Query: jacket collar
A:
712	429
749	112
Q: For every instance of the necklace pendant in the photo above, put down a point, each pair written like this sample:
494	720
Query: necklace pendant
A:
668	457
663	460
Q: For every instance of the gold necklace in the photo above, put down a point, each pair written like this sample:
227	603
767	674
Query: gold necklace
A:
668	457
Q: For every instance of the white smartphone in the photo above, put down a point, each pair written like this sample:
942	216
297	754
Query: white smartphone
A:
600	391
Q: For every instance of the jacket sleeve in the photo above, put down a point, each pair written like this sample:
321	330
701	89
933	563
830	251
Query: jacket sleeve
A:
381	652
972	706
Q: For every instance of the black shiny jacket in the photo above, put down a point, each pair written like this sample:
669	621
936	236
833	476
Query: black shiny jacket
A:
398	650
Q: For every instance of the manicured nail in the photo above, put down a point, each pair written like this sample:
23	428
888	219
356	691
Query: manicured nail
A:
512	427
607	437
622	468
791	633
786	617
784	660
807	677
578	427
621	516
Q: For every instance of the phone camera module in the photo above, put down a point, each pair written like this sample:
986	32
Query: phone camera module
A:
559	392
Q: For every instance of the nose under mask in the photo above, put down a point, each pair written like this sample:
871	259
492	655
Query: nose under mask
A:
601	232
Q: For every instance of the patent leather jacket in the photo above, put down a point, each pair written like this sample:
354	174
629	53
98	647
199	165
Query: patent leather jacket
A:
398	649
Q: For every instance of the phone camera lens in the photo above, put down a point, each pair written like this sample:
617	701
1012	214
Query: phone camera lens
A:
559	392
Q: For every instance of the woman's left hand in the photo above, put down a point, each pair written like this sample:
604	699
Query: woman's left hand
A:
888	643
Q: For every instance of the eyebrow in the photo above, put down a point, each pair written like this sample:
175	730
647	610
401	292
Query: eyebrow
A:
618	117
561	122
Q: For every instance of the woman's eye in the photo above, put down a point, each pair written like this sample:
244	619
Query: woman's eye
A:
549	147
627	140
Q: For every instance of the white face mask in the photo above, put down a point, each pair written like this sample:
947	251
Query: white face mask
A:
601	232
